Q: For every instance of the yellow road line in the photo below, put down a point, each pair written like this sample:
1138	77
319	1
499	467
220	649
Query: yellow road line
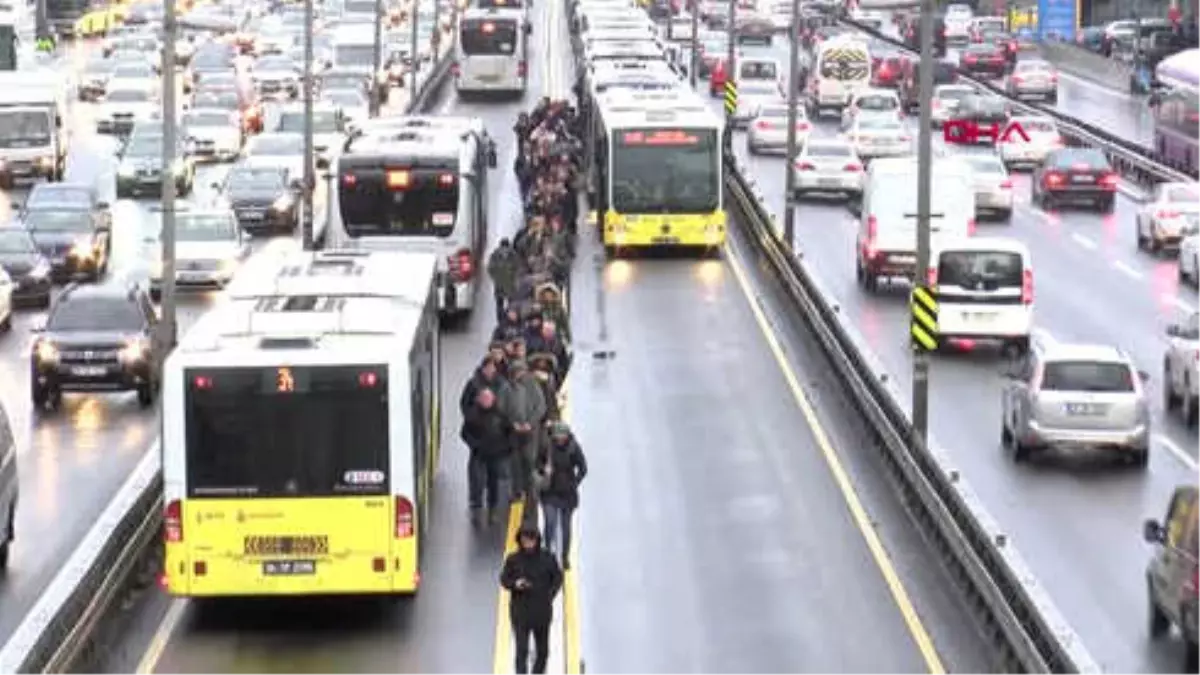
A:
883	561
162	637
572	658
502	661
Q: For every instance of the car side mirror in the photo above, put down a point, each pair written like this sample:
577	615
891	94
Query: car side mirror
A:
16	206
492	157
855	207
296	185
1174	330
1152	532
1143	376
322	163
103	206
215	185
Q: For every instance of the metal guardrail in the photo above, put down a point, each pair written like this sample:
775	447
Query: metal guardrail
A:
1087	65
59	629
1016	614
1128	158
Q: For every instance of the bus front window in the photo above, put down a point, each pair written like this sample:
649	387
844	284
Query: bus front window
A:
665	171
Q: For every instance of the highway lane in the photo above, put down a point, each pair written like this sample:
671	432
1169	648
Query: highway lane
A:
72	462
1079	526
450	625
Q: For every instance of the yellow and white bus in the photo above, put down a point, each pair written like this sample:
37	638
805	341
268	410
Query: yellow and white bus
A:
657	165
301	430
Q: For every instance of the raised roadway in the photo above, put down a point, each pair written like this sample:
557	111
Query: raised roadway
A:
72	462
731	520
1077	522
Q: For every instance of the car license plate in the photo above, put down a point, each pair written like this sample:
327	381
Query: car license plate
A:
979	317
902	259
1084	179
829	182
283	568
192	277
88	371
1084	409
488	78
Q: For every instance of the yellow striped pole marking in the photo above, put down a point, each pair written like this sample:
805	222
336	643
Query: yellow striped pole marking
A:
731	97
924	324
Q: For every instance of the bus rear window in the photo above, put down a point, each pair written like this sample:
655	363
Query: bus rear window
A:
287	432
489	37
398	202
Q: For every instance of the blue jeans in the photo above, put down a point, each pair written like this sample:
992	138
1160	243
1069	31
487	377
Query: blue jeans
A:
556	516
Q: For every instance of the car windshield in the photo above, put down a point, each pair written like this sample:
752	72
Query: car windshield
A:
98	67
13	240
255	179
1087	376
274	63
1032	67
51	196
58	221
224	101
881	102
953	94
208	119
144	146
985	164
128	96
205	227
1082	158
133	71
777	112
274	145
24	128
827	150
95	313
212	59
345	98
1036	126
324	122
874	123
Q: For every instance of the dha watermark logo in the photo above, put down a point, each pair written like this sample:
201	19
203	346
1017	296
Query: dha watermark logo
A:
966	132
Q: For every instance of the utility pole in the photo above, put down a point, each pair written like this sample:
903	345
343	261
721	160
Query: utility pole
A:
170	158
694	63
310	179
377	58
920	378
41	20
730	71
789	180
415	59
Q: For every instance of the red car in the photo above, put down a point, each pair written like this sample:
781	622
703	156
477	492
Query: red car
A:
887	71
716	78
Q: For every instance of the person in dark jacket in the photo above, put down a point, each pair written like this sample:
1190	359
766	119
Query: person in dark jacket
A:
564	467
486	376
532	576
547	341
503	267
485	431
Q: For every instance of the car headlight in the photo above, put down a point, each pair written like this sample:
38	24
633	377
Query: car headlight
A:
82	250
125	172
40	270
283	203
178	167
135	350
45	352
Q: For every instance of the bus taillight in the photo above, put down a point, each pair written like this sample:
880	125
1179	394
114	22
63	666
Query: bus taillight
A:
404	518
461	264
173	522
522	69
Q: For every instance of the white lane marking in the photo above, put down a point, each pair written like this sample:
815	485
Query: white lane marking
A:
1172	447
1084	241
1127	270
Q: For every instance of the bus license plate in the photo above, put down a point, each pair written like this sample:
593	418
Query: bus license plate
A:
666	240
282	568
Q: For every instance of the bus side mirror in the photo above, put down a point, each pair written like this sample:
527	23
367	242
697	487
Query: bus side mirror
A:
491	154
528	28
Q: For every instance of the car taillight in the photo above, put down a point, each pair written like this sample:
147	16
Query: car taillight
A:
455	69
1166	215
872	232
931	277
461	265
173	522
970	59
1027	287
1006	184
522	69
404	518
905	138
1053	178
1016	79
802	126
852	167
762	125
971	226
1109	181
805	166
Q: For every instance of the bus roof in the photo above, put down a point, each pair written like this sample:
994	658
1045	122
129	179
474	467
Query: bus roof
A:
1180	70
394	274
655	117
496	13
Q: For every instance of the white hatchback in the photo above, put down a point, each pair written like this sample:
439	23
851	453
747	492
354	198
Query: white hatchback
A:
827	166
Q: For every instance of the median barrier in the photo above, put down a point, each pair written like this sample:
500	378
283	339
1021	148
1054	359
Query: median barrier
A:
1015	613
58	632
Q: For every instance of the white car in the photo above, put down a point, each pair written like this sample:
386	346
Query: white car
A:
328	128
135	73
276	76
213	134
781	16
277	149
869	17
124	106
209	248
1172	213
875	137
958	19
768	130
353	105
1017	152
993	186
1033	79
1181	378
1189	260
6	301
945	101
871	101
752	95
827	166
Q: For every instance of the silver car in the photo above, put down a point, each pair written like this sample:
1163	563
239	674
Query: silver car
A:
945	101
993	187
752	94
1043	137
827	166
1180	364
1075	396
1033	79
1189	260
879	136
1171	213
768	130
213	134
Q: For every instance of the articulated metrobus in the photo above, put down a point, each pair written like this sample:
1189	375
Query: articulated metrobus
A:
300	430
657	169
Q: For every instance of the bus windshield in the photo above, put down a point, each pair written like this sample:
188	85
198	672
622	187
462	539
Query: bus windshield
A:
398	202
318	431
489	37
665	171
1176	127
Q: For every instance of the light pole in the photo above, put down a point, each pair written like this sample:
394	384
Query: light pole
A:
310	179
693	64
415	59
377	58
170	148
920	378
789	180
730	71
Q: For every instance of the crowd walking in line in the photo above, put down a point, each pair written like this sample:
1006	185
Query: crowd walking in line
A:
521	448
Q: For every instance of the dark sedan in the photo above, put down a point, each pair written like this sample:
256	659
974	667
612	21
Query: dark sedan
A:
263	198
984	59
26	266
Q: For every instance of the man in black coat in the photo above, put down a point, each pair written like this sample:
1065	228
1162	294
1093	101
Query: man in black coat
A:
565	467
532	576
485	431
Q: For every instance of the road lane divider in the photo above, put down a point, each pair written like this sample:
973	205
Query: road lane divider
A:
1016	615
60	632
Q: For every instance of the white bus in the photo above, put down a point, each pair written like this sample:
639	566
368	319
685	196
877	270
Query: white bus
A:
492	56
301	430
418	183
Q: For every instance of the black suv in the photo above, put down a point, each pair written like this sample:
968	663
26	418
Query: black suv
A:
71	227
264	198
97	338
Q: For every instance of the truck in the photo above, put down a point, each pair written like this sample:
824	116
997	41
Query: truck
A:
33	141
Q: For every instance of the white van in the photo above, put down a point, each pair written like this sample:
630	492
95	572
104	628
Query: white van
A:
842	67
887	229
8	487
984	290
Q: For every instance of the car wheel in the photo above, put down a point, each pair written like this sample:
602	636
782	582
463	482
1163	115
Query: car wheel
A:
1020	451
1004	216
1108	204
751	148
1159	623
145	395
1142	240
1140	458
46	399
1006	436
10	533
1188	406
6	324
1170	399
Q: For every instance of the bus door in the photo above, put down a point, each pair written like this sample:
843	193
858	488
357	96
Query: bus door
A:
493	54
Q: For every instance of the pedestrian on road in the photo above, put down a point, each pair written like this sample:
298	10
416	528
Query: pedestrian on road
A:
533	577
